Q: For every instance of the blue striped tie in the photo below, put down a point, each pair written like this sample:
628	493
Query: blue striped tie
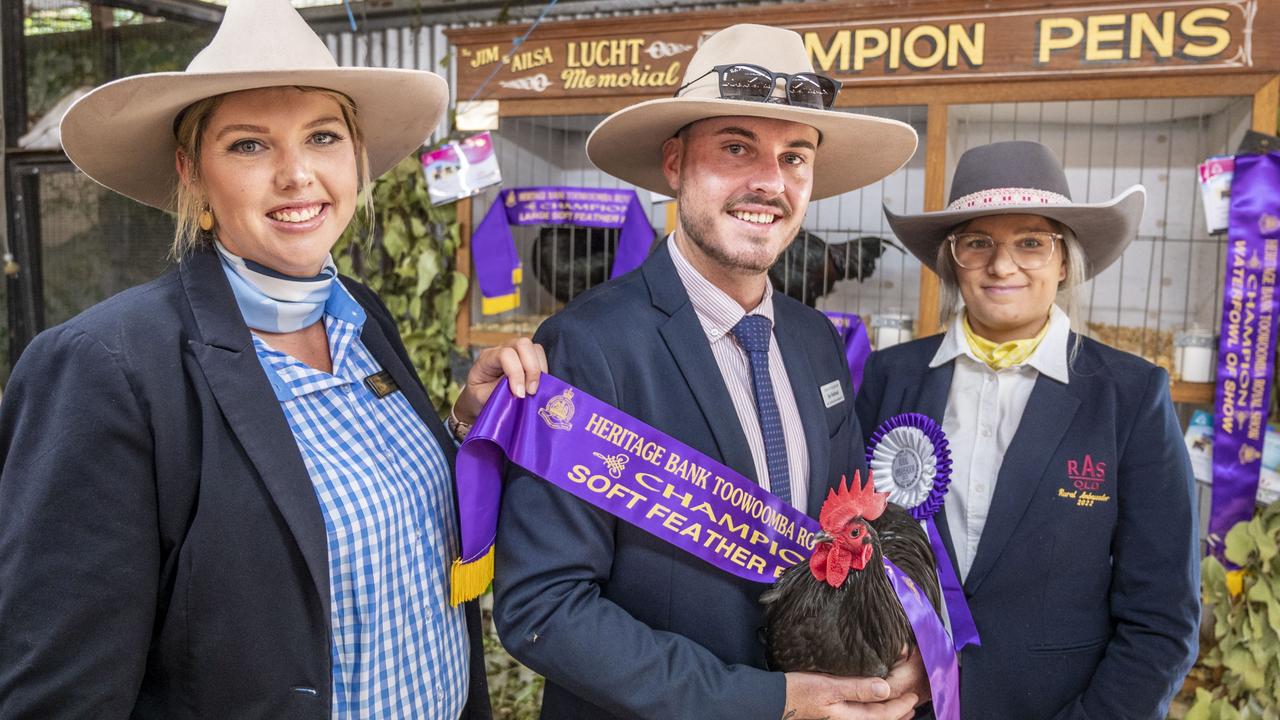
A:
753	333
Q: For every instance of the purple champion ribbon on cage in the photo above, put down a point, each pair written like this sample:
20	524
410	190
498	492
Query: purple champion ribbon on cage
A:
909	458
493	250
1246	348
653	481
857	346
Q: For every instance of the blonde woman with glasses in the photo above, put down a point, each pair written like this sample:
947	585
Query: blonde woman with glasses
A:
1069	520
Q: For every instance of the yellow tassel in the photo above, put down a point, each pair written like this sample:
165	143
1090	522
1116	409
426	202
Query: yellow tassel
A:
1235	582
502	303
517	275
470	580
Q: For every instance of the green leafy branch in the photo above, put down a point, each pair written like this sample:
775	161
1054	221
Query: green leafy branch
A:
409	262
1245	604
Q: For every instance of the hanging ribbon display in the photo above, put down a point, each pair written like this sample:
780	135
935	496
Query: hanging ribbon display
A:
493	250
1246	348
909	459
653	481
857	346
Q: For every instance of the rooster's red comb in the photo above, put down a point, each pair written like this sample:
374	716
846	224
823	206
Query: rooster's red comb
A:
848	502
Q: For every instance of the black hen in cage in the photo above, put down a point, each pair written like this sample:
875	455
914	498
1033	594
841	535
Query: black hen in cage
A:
568	260
810	267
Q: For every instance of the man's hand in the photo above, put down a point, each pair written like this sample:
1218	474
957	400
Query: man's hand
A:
814	696
908	677
519	360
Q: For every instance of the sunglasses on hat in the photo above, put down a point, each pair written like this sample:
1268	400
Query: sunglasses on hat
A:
741	81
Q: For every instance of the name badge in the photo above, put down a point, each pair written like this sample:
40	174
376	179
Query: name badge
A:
381	384
832	393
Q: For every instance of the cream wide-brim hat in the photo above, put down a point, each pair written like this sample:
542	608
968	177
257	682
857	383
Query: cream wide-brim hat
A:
122	134
1021	177
854	150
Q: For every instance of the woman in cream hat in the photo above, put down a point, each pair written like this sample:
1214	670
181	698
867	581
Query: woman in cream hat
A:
225	492
1069	519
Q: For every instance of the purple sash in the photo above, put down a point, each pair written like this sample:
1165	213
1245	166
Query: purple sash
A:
494	253
653	481
1246	349
857	346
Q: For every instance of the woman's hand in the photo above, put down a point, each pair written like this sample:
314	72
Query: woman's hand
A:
520	361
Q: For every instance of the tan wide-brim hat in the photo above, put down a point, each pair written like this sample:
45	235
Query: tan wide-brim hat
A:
854	151
1023	178
122	134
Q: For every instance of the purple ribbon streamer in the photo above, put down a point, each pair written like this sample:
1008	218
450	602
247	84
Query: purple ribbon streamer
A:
1246	348
935	647
964	630
574	441
493	248
857	346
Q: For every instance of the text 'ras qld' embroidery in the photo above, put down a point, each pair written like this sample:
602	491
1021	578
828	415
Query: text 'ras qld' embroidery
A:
1087	478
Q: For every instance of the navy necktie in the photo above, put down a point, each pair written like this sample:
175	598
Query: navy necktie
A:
753	333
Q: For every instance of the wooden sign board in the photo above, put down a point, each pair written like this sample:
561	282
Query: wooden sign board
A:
647	58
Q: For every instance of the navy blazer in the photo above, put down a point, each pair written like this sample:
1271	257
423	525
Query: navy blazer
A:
621	623
1087	608
162	551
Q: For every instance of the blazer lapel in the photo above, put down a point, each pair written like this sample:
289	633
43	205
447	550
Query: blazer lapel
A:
379	346
1048	415
932	393
804	385
224	350
688	345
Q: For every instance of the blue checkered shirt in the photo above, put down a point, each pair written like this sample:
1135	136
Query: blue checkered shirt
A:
399	650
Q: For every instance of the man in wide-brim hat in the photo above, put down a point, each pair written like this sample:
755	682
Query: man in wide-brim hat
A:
696	343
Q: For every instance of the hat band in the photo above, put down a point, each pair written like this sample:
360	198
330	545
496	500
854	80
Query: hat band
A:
1005	197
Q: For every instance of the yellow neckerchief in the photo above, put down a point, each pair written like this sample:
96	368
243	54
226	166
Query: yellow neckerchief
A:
999	356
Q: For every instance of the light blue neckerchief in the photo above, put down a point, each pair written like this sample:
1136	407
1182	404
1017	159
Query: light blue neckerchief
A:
273	302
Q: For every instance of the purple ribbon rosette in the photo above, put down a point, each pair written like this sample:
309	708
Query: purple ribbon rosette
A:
909	458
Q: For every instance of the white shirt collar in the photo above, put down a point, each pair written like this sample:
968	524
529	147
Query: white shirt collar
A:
1049	358
716	311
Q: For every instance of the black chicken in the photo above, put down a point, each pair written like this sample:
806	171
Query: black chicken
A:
569	260
809	267
838	613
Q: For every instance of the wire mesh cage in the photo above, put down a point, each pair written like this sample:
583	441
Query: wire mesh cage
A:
844	259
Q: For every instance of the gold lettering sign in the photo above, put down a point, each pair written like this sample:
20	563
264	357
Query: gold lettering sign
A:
1136	38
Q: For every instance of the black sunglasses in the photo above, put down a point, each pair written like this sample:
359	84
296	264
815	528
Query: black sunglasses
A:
741	81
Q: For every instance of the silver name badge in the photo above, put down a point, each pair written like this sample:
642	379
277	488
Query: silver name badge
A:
832	393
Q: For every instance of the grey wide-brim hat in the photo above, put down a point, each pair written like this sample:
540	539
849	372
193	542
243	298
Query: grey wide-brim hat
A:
122	134
855	150
1022	177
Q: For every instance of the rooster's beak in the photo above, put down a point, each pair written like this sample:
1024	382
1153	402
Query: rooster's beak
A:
823	536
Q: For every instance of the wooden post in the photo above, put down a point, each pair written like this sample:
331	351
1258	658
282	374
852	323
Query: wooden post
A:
462	263
1266	106
935	188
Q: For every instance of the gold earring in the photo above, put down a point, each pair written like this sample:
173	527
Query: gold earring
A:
206	220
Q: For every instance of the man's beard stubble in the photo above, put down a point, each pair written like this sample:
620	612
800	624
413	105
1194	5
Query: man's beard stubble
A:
698	228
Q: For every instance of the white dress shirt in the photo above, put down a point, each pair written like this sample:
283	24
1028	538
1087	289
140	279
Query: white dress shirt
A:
984	408
718	313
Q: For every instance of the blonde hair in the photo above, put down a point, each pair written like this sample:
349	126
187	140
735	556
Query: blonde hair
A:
190	202
1073	258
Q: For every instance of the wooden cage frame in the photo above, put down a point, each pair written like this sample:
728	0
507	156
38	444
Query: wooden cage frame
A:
1261	82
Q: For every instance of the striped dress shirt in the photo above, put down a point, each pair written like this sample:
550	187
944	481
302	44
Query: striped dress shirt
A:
399	649
718	313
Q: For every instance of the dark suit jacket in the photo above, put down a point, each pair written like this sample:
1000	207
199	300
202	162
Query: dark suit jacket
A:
162	551
1085	611
621	623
